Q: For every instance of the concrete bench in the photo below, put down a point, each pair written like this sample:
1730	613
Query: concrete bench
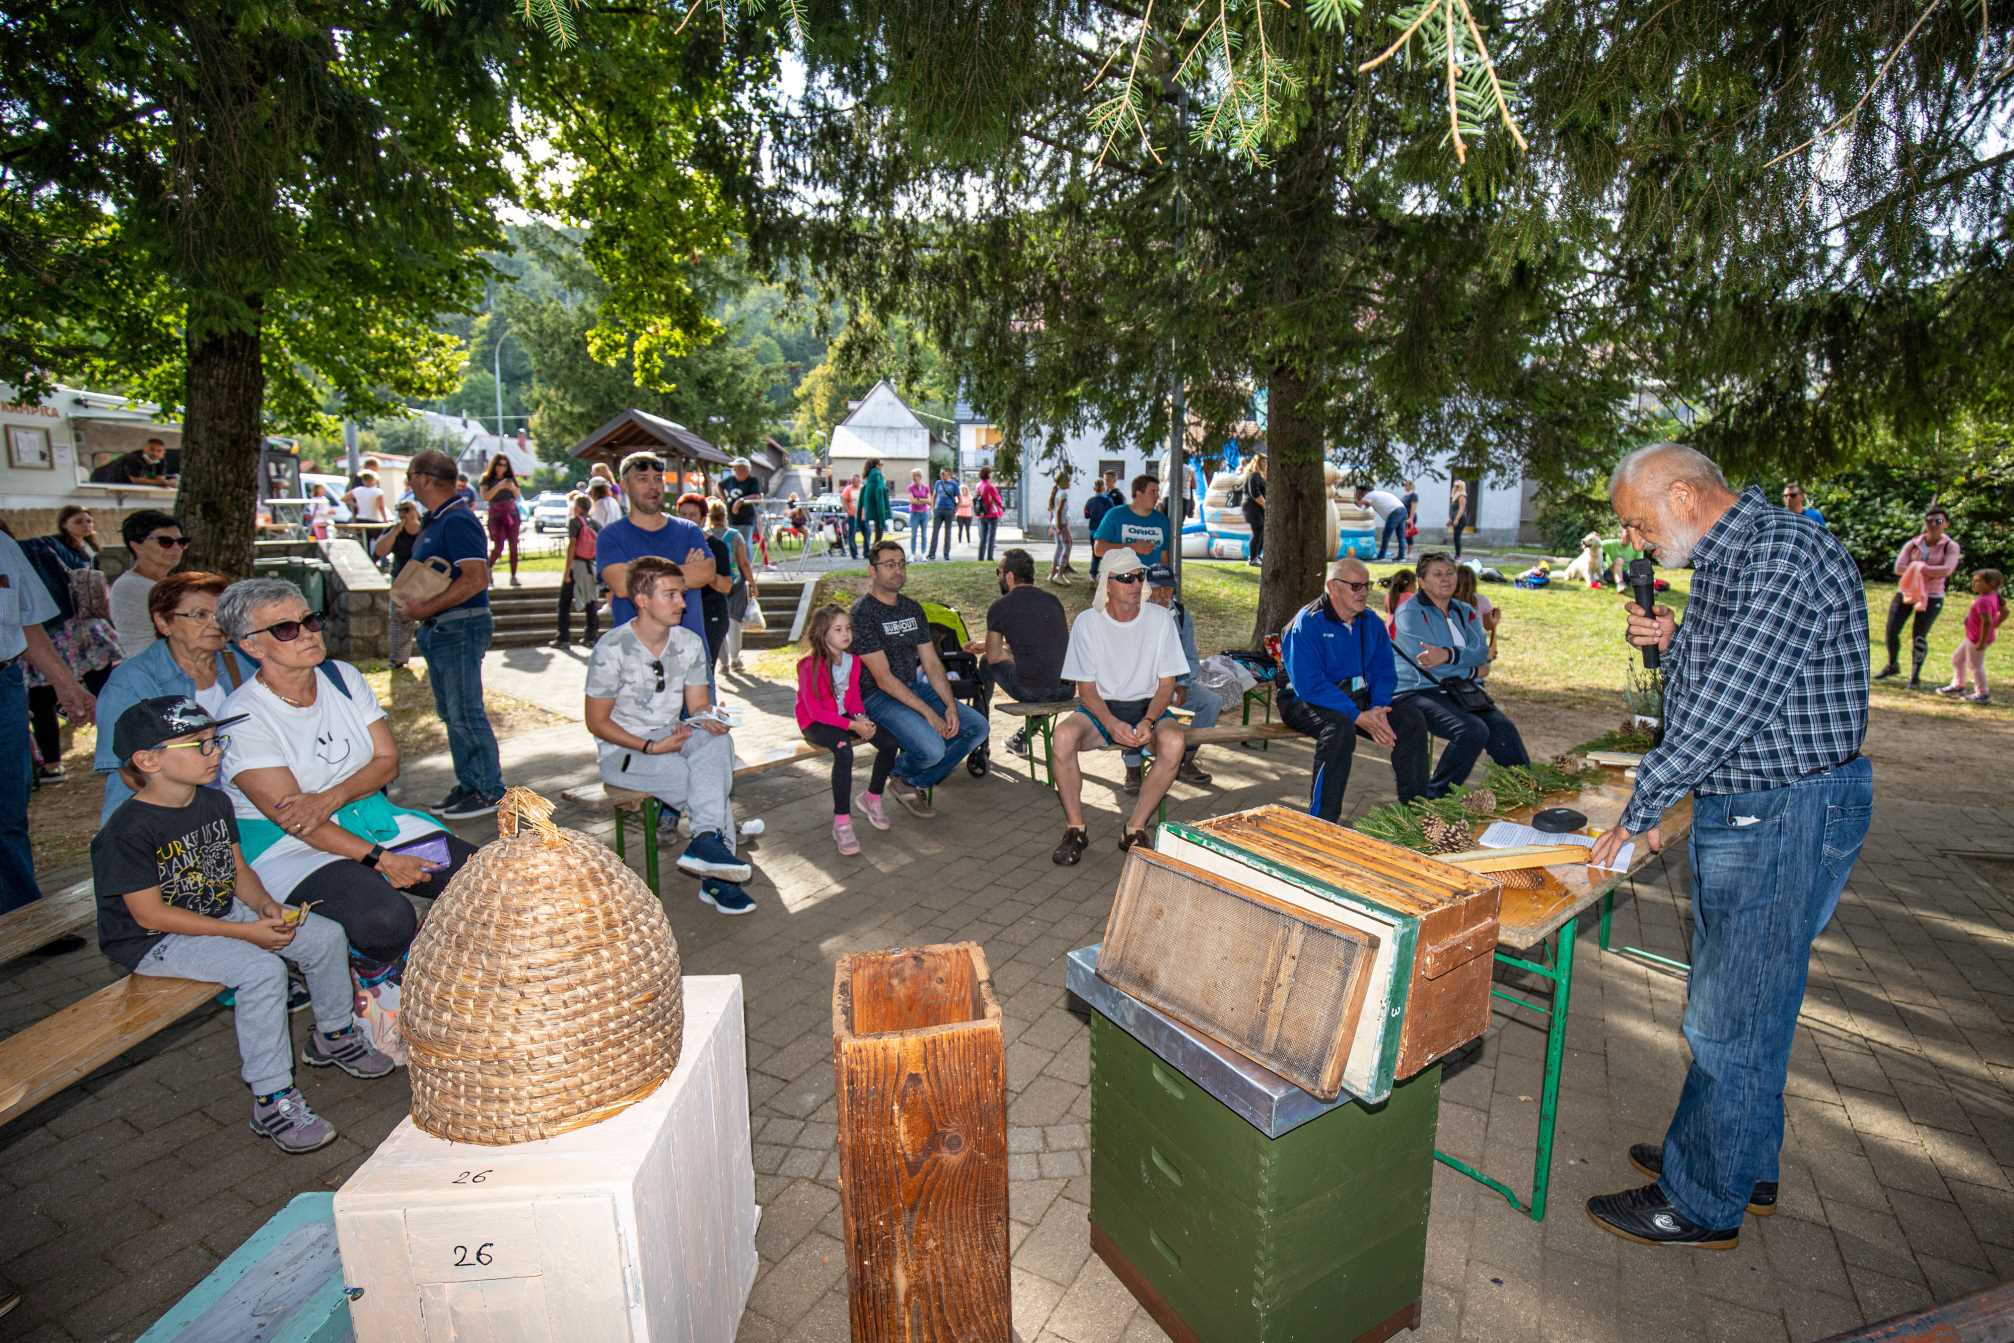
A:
73	909
63	1048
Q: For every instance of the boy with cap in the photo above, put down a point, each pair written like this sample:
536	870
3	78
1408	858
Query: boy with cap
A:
1205	705
176	898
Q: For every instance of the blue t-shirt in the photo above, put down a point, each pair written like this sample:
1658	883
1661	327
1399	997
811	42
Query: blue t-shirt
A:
454	534
623	541
1126	526
945	495
1815	516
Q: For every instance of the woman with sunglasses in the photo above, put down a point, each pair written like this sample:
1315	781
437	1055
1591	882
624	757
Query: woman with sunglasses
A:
158	545
500	490
306	771
1442	648
190	658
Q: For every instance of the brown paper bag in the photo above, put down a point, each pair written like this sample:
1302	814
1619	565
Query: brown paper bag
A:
422	580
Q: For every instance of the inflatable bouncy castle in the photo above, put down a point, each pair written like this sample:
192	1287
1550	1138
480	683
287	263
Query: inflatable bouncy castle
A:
1221	532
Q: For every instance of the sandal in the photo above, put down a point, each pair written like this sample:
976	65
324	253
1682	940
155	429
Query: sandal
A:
1131	838
1075	841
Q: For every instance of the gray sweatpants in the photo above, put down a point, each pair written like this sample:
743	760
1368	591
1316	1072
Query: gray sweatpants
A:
258	980
695	779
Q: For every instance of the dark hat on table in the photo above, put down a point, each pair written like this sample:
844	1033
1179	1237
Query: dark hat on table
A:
146	725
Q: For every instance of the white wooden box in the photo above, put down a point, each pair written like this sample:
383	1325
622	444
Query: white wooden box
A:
638	1228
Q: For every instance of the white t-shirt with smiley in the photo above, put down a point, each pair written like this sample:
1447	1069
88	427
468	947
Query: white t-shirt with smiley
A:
322	744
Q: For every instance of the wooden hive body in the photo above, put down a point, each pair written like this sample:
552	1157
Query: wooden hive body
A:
1280	979
1428	988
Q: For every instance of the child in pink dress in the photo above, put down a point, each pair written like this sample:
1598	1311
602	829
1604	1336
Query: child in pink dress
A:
1982	625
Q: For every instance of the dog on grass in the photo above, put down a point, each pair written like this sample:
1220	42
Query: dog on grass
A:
1586	566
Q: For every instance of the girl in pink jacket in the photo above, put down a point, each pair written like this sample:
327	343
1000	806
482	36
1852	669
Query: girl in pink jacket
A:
830	713
1982	626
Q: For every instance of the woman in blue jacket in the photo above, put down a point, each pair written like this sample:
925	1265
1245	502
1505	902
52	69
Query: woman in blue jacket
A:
190	658
1441	644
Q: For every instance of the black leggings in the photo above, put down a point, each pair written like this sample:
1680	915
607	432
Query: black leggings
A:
1456	528
1255	518
841	742
42	713
375	915
1899	613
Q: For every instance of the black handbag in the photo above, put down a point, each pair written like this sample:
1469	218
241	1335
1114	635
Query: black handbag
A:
1465	694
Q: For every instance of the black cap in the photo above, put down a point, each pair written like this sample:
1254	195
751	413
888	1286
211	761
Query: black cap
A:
1160	576
147	724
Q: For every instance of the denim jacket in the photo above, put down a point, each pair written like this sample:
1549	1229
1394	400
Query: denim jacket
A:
148	674
1421	625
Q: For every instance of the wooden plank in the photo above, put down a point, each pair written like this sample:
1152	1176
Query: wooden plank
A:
1015	709
1516	858
922	1093
1602	803
62	1049
35	925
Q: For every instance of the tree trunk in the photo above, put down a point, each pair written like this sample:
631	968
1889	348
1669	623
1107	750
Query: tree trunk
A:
1297	526
222	429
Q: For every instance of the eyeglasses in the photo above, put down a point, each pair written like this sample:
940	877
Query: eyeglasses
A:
169	542
209	747
658	667
1134	577
289	630
1353	585
201	617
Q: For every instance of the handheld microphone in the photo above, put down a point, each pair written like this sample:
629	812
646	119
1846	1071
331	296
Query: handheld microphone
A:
1643	586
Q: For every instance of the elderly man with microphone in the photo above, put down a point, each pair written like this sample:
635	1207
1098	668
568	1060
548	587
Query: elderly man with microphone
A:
1765	708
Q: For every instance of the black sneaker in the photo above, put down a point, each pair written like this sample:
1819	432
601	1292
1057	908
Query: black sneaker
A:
1646	1216
1649	1158
1886	672
298	997
456	796
470	805
1132	784
1018	743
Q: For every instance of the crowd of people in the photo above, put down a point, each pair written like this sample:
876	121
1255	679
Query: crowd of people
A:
247	834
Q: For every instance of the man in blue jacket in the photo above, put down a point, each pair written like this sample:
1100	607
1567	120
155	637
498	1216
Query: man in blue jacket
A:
1340	674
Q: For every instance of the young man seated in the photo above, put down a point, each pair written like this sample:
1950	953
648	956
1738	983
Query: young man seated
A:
1205	705
649	706
1026	633
1124	657
177	899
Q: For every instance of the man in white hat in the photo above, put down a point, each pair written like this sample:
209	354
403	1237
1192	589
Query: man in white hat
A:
1125	655
743	492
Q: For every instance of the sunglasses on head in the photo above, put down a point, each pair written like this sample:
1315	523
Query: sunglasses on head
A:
286	631
1133	576
647	464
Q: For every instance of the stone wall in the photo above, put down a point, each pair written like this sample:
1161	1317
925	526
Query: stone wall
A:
358	601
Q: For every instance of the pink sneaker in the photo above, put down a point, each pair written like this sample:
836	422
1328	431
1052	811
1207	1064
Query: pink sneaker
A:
842	835
873	810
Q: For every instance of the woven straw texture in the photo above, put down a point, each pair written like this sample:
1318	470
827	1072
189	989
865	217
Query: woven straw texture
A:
544	993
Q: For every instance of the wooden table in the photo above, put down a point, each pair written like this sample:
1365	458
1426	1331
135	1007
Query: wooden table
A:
1529	921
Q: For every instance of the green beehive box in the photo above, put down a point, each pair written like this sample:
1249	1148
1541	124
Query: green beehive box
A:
1228	1235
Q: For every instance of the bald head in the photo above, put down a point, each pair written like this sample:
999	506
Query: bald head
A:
1349	566
1348	588
1668	496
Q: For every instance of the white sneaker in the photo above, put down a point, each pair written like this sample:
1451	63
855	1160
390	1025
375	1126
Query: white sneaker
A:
749	828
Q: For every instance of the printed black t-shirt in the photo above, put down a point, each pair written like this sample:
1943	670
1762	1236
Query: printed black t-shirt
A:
186	851
739	512
896	630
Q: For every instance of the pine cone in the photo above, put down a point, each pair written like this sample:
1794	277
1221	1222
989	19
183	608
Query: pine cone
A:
1444	836
1482	802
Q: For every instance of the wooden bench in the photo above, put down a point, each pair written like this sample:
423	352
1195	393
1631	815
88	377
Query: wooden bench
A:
68	1046
34	926
628	802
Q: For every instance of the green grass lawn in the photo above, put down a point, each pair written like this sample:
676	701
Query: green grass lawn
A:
1557	643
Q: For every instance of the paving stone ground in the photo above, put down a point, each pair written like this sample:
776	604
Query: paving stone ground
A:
1898	1172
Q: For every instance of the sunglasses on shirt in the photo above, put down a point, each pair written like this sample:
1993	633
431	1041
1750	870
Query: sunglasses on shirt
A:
658	667
289	630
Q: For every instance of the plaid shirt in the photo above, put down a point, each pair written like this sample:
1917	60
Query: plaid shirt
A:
1766	681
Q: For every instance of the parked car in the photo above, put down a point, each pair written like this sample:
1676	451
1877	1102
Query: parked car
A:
548	512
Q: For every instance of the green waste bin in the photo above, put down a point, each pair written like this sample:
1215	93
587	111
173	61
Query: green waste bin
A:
308	574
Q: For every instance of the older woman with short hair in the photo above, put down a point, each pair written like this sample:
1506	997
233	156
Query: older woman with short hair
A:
306	772
189	657
1442	648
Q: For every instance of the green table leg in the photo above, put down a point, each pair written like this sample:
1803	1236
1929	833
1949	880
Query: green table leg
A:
1560	975
1636	953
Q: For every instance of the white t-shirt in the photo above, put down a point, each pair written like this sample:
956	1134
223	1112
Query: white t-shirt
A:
128	602
604	511
322	744
1125	659
370	503
1382	502
213	699
842	676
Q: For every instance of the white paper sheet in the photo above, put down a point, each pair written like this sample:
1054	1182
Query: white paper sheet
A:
1511	835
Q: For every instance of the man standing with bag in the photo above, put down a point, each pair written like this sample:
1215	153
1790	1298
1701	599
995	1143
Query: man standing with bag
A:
455	628
1765	708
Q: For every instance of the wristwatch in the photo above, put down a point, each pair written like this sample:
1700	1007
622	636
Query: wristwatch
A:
371	859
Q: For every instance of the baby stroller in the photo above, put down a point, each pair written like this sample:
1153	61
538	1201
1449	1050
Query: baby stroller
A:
961	669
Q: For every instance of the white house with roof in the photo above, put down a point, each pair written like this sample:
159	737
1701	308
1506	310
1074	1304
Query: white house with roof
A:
479	443
880	425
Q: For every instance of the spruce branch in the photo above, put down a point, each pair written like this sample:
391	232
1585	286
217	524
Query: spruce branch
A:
1852	113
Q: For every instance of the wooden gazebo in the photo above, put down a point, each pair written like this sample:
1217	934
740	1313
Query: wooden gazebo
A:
635	430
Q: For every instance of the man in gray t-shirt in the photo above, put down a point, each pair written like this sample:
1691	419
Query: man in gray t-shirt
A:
1390	511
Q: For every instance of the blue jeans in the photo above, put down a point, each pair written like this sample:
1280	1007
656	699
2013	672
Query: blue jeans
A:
17	866
926	757
1768	869
988	528
940	529
919	531
1205	707
1395	530
454	652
